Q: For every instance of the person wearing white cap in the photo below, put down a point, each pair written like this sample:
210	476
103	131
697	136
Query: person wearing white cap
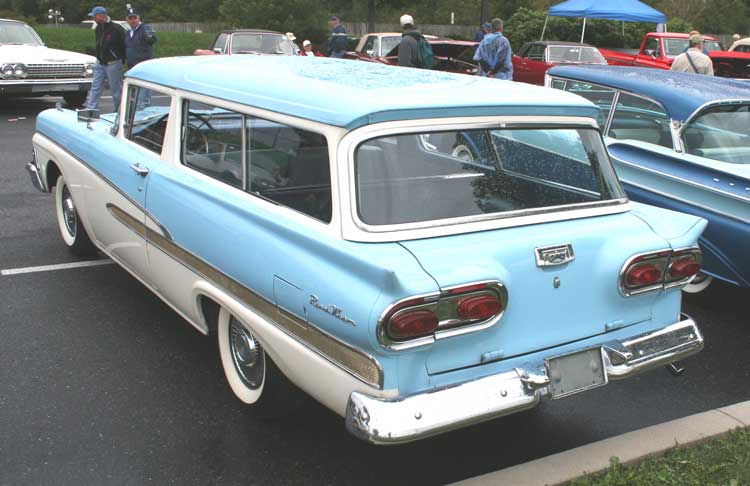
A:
307	50
408	49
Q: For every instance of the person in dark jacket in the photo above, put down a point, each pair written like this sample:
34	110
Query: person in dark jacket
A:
337	44
485	29
138	40
408	49
110	53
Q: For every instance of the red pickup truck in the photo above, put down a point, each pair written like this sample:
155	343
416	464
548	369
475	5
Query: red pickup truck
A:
659	49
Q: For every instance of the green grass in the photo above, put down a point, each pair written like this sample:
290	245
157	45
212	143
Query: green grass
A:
721	461
168	43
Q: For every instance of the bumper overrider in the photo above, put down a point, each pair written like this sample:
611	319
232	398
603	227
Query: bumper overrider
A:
36	176
405	419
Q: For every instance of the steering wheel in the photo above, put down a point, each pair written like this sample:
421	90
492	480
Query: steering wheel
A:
203	119
197	141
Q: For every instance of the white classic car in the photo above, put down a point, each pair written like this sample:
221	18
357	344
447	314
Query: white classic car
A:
29	68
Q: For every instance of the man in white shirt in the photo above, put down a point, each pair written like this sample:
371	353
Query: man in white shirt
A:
693	60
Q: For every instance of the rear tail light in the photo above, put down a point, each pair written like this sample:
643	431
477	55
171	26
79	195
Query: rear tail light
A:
659	270
418	321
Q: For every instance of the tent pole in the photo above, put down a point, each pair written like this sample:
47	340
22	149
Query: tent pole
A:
544	28
583	31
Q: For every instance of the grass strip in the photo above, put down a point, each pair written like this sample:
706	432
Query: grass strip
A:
720	461
168	43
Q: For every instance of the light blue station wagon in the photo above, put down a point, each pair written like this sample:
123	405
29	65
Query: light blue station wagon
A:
313	214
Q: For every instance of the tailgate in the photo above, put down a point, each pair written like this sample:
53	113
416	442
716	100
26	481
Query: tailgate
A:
547	306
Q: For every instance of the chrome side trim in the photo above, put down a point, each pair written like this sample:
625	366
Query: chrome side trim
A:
408	418
352	360
683	181
690	203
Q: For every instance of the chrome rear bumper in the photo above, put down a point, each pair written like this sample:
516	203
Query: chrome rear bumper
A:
405	419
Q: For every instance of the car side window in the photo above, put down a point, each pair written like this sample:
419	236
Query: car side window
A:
652	45
641	119
289	166
536	53
221	43
147	116
601	96
213	142
369	47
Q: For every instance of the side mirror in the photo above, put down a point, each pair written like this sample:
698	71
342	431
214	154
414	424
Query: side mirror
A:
217	50
87	115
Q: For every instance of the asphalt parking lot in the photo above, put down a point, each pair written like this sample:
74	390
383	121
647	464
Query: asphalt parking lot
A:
102	383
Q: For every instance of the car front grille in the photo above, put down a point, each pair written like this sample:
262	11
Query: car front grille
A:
54	71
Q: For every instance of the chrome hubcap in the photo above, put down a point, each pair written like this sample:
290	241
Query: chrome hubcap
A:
247	354
69	212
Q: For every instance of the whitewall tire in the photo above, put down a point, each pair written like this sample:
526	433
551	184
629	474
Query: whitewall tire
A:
71	229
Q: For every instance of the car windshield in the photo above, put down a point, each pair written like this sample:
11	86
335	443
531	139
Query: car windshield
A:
18	33
388	43
575	54
420	177
675	47
720	133
261	43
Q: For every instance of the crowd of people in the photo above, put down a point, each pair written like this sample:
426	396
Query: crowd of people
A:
117	48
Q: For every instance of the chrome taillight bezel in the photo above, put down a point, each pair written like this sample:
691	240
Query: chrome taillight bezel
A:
442	304
660	258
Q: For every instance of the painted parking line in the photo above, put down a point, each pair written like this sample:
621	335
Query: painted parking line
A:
52	268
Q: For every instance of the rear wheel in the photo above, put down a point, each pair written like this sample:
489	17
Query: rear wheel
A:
75	100
72	231
252	375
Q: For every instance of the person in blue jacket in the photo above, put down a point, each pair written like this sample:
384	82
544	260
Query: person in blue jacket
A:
337	44
139	40
495	54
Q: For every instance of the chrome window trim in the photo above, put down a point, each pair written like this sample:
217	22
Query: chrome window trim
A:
356	230
431	298
705	106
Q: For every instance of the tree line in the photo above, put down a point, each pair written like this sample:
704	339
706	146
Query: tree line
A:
307	18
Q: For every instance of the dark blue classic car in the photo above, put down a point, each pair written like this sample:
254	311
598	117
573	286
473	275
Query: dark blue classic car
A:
680	141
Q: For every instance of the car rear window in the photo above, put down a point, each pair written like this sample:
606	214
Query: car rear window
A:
418	177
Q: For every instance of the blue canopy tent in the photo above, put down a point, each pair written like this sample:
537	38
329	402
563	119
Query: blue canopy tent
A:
624	10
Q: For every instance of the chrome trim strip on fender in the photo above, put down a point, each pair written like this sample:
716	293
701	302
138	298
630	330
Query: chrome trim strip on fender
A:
352	360
408	418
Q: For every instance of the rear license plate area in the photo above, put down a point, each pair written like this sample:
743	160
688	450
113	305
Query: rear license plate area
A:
576	372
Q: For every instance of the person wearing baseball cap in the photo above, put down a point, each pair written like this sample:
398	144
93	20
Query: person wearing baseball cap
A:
337	44
408	48
110	53
307	50
139	40
693	60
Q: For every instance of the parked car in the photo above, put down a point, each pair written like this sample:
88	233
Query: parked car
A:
29	68
251	41
659	49
741	45
344	251
535	58
454	56
680	141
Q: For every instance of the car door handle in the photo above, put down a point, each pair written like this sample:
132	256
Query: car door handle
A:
141	171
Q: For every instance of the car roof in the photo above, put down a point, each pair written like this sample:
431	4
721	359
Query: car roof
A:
351	94
12	20
249	31
678	35
560	43
681	94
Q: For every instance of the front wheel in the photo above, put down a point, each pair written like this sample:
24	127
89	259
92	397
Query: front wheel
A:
252	375
72	231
